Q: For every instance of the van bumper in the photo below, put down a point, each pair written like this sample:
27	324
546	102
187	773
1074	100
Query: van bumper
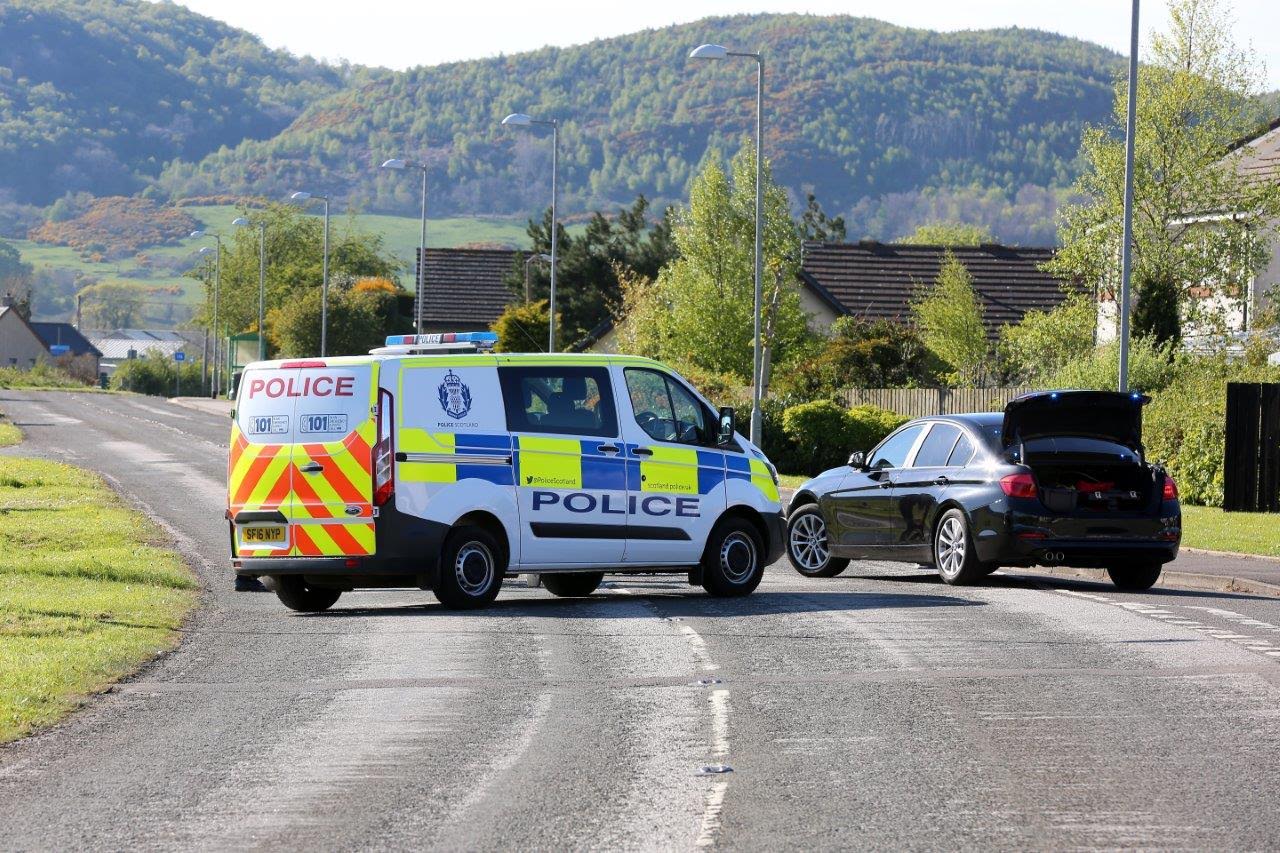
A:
776	527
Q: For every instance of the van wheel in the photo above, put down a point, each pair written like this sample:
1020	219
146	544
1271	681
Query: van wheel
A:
731	565
1135	576
573	585
953	553
294	594
471	569
809	546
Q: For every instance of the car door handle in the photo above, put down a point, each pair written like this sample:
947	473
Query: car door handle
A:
311	468
642	451
942	480
607	448
886	484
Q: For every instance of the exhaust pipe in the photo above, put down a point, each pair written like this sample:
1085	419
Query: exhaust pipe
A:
1051	557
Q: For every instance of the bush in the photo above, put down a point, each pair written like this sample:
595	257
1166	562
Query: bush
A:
42	375
859	354
1151	368
823	433
155	373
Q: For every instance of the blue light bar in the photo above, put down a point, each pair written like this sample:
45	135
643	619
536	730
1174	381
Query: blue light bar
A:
480	339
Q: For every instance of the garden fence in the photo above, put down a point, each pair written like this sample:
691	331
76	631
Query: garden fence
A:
1251	476
922	402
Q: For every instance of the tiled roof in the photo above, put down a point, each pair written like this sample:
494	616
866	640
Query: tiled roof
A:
465	288
65	334
118	348
1260	156
879	280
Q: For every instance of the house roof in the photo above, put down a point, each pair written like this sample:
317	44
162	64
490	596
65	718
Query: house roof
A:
878	281
1260	154
65	334
465	287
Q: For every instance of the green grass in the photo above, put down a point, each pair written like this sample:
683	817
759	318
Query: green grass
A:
88	592
793	481
1241	532
9	434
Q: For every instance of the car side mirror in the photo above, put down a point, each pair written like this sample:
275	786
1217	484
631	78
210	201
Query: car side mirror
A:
858	460
728	426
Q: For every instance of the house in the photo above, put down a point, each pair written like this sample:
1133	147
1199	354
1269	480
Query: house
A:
65	339
20	345
879	281
119	345
465	290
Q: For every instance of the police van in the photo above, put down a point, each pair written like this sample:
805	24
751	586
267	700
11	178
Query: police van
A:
434	463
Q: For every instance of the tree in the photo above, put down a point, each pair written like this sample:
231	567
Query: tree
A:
360	318
699	310
524	327
860	354
1045	342
15	278
948	234
949	317
814	224
1199	223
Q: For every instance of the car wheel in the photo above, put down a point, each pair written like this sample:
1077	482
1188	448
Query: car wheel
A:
1135	576
573	585
471	569
294	594
953	552
809	547
731	564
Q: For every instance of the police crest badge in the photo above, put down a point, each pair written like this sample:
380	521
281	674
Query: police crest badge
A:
455	396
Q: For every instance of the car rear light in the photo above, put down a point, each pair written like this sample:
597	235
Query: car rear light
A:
1019	485
1170	489
302	364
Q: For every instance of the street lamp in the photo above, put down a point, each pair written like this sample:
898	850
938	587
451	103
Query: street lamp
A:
217	287
522	120
302	198
715	51
1126	240
242	222
541	256
420	297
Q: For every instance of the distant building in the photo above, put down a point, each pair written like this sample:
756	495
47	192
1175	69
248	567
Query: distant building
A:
65	339
119	345
20	345
465	290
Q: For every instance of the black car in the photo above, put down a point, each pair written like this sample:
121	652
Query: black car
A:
1060	479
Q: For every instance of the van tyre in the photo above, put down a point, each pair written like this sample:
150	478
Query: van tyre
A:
733	564
471	568
294	594
572	585
953	553
809	546
1135	576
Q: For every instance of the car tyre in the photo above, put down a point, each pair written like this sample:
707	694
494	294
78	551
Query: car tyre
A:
733	564
1135	577
954	556
294	594
573	584
809	546
471	568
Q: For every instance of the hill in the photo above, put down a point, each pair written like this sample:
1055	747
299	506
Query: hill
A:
98	95
857	109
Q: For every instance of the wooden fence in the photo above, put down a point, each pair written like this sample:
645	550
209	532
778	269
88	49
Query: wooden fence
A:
1251	480
921	402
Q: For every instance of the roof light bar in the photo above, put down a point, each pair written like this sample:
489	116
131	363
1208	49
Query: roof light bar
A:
482	340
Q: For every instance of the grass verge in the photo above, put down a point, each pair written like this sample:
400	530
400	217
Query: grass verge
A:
1242	532
9	434
88	593
41	377
793	481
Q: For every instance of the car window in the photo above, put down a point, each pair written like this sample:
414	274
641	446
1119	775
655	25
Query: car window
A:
572	400
963	451
893	452
936	446
665	409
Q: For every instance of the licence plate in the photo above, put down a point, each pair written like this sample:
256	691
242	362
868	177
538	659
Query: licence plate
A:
262	534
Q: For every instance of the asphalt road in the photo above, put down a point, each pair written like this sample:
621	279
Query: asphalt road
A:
878	709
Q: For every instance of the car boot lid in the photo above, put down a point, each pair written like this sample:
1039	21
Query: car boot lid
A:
1108	415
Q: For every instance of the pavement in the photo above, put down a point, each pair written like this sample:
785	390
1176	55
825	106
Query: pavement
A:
879	709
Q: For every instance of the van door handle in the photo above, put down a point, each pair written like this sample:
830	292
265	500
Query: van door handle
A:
642	451
311	468
607	448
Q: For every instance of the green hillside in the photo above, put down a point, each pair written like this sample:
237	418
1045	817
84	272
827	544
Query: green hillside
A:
857	108
97	95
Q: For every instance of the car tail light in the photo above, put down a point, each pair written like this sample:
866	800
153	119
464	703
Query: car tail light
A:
1170	489
384	457
1019	485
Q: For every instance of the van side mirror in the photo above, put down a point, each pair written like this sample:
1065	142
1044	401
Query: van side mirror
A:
728	426
858	460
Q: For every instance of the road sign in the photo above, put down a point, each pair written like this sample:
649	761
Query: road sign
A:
179	356
59	349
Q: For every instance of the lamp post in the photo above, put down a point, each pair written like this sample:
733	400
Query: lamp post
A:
1126	246
420	296
715	51
303	198
540	256
522	120
242	222
217	287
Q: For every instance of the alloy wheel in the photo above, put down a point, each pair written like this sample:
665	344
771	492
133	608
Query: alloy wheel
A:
809	543
951	546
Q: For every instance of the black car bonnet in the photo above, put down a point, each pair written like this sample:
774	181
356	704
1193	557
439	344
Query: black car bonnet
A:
1107	415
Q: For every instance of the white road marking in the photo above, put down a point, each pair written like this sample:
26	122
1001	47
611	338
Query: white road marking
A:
710	827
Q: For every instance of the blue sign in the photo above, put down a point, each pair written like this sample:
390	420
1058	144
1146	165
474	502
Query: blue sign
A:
59	349
179	356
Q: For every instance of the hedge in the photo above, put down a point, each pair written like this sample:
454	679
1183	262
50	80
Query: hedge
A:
822	434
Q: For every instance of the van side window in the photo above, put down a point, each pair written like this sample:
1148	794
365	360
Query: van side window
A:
572	400
665	409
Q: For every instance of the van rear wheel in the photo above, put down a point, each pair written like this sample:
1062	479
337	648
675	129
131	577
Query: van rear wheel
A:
1135	576
471	569
294	594
572	585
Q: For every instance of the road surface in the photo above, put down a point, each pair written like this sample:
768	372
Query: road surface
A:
878	709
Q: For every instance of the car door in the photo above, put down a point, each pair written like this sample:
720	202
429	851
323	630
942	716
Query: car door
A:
571	474
918	488
675	473
861	511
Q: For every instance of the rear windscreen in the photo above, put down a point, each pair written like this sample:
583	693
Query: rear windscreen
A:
303	406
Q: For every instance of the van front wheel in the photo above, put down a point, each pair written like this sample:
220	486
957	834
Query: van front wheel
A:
732	565
471	569
294	594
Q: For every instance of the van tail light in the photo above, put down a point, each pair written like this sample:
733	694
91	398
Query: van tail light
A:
1170	489
384	455
297	365
1018	485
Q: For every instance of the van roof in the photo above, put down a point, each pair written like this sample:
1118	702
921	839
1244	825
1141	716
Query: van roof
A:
478	358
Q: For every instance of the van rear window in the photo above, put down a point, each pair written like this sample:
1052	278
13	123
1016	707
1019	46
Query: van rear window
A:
308	405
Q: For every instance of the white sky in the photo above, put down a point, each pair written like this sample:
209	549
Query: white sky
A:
404	33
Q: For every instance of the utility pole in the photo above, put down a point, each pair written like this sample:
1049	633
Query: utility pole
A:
1126	246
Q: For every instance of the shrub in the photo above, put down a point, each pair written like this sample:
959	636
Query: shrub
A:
155	373
860	354
42	375
1151	368
823	433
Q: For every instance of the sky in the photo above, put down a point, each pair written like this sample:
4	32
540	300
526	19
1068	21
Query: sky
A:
405	33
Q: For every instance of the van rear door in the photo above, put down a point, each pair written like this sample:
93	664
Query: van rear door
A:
260	464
